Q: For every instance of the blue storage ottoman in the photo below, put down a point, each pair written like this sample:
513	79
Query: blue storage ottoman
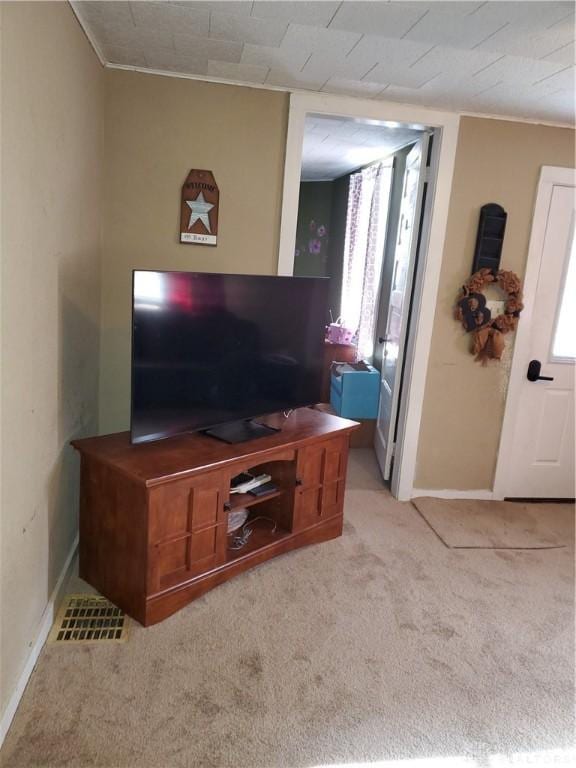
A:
355	390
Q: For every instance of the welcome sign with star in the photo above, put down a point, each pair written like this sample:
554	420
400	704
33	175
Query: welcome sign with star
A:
199	208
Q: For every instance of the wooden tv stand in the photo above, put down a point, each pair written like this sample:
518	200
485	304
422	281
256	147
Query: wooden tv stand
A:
154	516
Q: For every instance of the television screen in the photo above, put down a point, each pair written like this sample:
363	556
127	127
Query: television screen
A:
210	348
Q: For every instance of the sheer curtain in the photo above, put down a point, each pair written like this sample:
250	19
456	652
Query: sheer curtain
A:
368	199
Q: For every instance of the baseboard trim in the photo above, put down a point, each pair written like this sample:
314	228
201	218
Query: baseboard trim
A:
43	630
454	493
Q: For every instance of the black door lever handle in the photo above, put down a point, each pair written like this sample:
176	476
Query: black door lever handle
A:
533	374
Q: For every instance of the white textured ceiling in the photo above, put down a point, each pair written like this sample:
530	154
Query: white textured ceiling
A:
501	58
334	146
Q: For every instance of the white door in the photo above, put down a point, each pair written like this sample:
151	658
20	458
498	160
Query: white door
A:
399	306
537	449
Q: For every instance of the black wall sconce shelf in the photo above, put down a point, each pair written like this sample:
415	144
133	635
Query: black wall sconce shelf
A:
490	238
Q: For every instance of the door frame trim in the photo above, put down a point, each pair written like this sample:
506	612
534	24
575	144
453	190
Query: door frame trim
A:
445	126
550	177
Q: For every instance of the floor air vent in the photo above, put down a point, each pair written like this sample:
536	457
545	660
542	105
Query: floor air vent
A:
89	619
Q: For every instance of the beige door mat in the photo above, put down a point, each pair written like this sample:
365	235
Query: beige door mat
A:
89	619
473	524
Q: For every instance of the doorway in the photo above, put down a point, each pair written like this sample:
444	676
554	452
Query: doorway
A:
358	223
347	177
426	242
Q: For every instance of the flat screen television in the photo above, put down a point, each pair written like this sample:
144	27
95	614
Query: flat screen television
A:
212	351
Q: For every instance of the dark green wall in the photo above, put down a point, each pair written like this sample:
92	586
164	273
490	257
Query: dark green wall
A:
336	243
320	233
313	229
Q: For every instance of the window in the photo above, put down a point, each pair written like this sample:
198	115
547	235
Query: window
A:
564	342
364	251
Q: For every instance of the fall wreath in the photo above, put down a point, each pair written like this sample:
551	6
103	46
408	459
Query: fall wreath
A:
471	310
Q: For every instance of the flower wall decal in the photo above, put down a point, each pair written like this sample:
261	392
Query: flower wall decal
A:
315	246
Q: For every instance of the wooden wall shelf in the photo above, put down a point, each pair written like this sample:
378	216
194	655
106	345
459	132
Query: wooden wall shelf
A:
154	516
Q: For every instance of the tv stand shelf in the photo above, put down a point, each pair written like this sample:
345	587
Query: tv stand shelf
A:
154	516
248	500
261	537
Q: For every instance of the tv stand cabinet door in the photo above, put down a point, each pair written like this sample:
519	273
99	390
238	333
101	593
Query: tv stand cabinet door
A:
321	473
188	527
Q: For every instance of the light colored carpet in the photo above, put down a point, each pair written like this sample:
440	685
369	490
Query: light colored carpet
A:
382	645
471	524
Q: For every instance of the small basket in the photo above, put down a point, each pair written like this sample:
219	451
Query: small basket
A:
338	334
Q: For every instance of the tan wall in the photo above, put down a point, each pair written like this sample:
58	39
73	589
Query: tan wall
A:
496	161
52	137
157	129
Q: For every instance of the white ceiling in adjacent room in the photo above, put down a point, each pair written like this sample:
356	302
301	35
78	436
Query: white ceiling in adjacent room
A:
502	58
334	146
